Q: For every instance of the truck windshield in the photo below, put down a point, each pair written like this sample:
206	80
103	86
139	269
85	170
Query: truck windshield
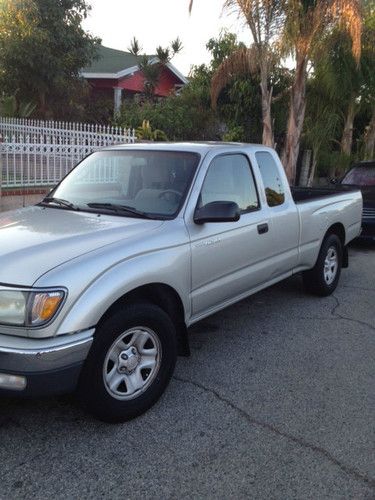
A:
360	176
131	183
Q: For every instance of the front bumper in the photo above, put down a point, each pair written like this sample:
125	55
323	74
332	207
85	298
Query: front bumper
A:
48	366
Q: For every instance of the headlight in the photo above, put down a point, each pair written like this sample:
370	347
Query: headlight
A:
24	308
13	307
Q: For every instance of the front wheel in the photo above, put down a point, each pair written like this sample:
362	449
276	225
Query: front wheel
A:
130	363
323	278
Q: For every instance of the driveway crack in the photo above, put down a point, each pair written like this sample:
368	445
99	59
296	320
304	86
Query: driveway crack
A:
359	288
335	314
352	471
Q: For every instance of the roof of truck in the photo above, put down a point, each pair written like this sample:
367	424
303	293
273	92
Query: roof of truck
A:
198	147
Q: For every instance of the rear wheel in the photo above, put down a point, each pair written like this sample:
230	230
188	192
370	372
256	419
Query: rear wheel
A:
130	363
323	278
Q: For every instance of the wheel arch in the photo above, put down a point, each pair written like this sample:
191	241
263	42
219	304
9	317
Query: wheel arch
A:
163	296
339	230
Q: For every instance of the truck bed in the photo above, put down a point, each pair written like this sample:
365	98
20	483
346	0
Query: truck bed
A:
301	194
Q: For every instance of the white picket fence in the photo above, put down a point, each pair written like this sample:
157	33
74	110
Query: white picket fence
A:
40	153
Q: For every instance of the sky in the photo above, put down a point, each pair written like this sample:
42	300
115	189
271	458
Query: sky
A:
158	22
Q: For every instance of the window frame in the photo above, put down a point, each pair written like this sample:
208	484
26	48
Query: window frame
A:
261	176
242	212
114	149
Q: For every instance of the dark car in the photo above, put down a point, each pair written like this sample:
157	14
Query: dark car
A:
362	176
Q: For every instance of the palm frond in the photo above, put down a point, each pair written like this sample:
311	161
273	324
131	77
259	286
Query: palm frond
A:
348	14
307	21
265	18
135	47
242	61
176	46
163	54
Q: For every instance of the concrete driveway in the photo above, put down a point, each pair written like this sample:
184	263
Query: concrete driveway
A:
277	401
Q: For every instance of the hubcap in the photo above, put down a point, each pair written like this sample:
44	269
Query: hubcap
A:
132	363
330	265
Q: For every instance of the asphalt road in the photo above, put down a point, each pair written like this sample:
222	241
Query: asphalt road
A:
277	401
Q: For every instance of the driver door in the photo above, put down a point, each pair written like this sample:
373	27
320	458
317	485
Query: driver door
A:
229	258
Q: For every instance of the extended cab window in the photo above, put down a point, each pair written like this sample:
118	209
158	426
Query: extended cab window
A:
272	182
229	178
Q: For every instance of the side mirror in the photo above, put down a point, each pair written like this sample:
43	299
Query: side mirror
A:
217	211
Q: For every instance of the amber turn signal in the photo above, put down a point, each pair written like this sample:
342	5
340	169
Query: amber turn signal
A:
45	306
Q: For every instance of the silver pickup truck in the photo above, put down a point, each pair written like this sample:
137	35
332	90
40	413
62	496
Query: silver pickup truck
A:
100	281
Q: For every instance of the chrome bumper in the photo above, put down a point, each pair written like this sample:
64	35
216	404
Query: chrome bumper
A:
25	355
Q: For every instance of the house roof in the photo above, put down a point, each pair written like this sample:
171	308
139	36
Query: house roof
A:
113	63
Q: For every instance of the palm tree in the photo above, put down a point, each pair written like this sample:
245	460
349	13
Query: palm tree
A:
152	70
306	23
264	19
337	69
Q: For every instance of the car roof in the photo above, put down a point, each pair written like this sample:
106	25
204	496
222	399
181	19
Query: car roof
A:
364	163
196	147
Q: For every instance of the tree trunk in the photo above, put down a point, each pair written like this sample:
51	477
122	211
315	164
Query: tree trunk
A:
313	168
267	137
370	138
305	169
42	105
347	135
296	118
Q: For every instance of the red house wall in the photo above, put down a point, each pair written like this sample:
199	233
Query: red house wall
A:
134	83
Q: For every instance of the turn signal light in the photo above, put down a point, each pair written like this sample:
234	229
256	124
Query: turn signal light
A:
45	306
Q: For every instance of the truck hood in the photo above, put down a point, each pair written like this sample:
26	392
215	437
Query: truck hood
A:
36	239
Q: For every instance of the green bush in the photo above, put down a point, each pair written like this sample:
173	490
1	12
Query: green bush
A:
182	117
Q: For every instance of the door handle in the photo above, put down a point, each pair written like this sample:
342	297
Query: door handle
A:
262	228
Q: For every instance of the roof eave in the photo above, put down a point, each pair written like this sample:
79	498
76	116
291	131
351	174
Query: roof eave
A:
130	71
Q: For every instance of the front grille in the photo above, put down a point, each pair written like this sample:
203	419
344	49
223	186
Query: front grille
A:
368	213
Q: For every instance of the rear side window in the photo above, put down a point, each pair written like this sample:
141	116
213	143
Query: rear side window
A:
229	178
361	176
272	182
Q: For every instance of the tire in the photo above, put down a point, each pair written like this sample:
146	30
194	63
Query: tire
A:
323	278
130	363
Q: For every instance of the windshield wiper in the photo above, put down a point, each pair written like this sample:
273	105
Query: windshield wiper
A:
59	201
121	209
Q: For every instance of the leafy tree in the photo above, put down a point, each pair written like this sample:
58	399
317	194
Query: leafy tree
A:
10	107
42	50
189	116
239	102
186	116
